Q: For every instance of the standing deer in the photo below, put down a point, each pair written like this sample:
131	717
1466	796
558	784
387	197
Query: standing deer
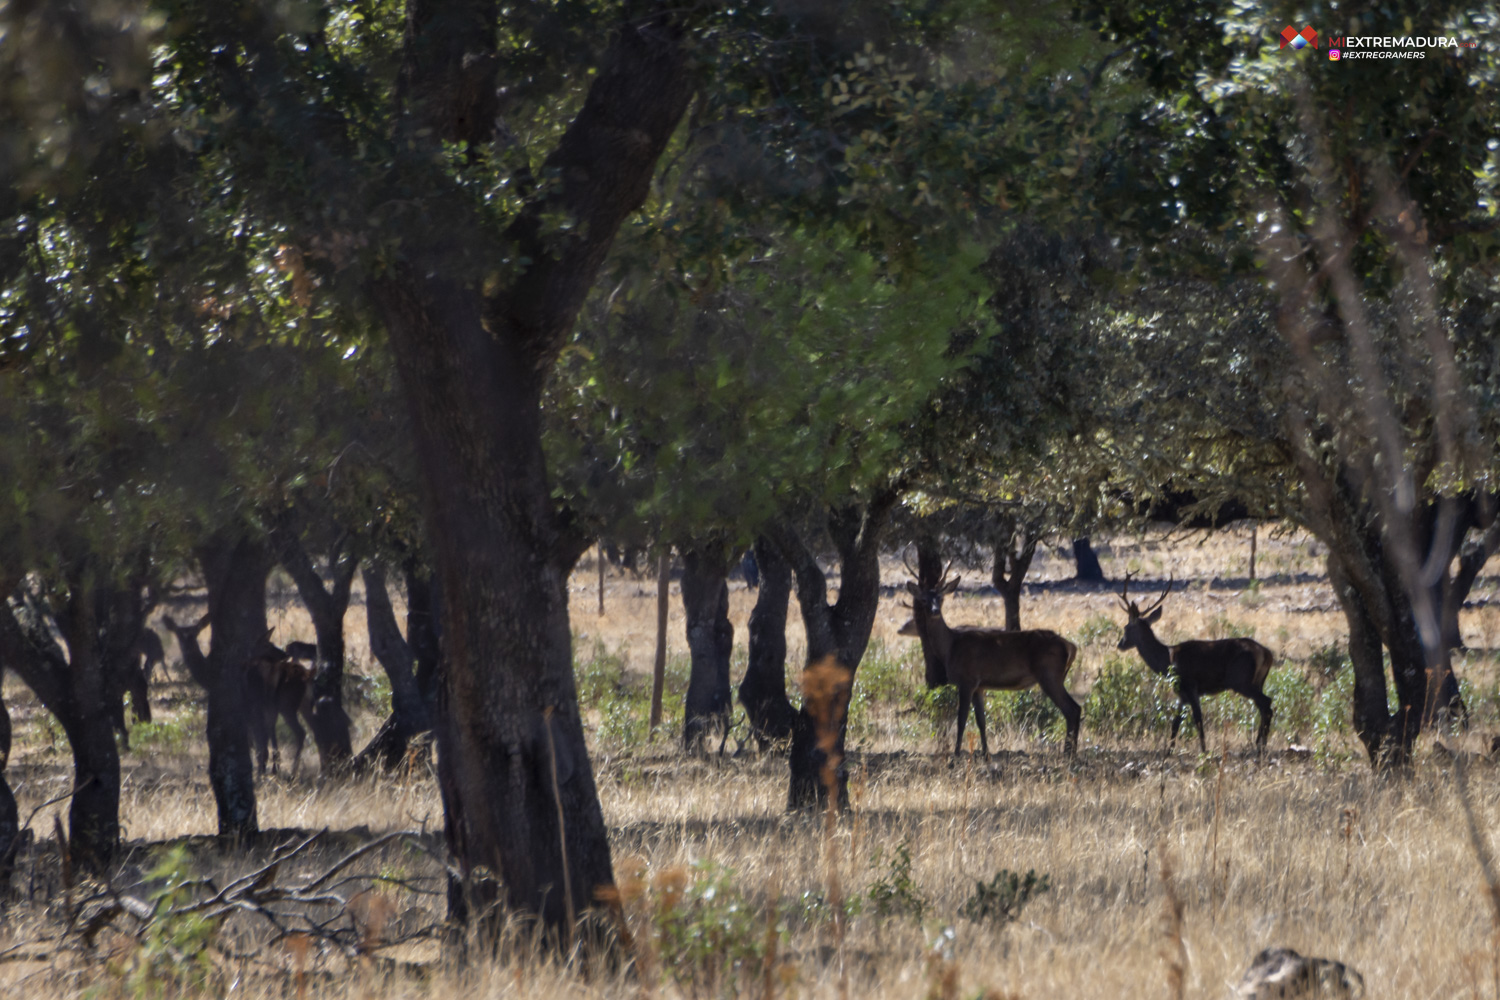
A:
277	685
1200	666
977	660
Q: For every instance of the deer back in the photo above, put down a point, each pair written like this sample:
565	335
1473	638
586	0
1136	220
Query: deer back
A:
1007	661
1213	665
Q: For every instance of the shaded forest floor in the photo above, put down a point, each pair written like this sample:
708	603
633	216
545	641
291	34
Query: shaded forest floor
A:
1303	847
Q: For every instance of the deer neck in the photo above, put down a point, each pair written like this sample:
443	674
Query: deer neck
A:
1157	654
937	645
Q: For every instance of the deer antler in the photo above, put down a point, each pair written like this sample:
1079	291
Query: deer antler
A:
1124	588
906	561
1162	597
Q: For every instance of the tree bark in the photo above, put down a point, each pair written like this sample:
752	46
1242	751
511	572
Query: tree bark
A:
710	640
1372	714
10	817
1014	551
326	606
1456	588
79	692
840	630
1088	568
424	615
409	709
235	565
517	786
763	689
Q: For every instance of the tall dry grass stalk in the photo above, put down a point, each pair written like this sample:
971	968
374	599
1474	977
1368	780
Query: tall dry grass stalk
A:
1479	841
1174	951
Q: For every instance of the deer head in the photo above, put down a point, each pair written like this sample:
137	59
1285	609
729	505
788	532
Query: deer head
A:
1138	623
926	622
926	603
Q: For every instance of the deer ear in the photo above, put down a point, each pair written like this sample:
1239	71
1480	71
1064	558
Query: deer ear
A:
1153	617
950	586
913	589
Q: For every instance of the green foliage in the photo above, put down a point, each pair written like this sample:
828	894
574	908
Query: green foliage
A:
173	734
897	894
370	692
1129	700
1098	630
1031	711
711	937
938	705
623	699
172	956
1327	662
1004	897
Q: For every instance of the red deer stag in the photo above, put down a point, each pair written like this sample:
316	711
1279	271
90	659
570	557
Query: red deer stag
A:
977	660
1200	666
277	686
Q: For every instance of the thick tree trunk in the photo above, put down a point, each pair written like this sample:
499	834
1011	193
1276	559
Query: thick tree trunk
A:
841	631
10	817
1372	714
763	690
326	606
235	566
424	617
710	639
94	813
518	790
513	768
1013	555
409	709
78	692
1088	568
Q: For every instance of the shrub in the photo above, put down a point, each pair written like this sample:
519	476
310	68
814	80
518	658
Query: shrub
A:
712	939
172	957
1128	699
1097	630
897	893
1002	900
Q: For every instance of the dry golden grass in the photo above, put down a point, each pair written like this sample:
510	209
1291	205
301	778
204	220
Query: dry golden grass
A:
1317	854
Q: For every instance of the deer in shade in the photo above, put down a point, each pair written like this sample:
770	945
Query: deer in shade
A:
1199	666
976	660
277	685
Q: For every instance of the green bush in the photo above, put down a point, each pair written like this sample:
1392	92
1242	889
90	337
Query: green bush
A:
1003	899
712	938
1128	699
1098	630
172	957
1030	711
897	893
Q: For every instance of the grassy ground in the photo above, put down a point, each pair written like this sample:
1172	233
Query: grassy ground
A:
1304	847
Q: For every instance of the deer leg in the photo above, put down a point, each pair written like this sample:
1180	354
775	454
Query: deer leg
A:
1263	706
275	744
1198	721
258	740
1053	688
979	721
964	699
299	738
1177	720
